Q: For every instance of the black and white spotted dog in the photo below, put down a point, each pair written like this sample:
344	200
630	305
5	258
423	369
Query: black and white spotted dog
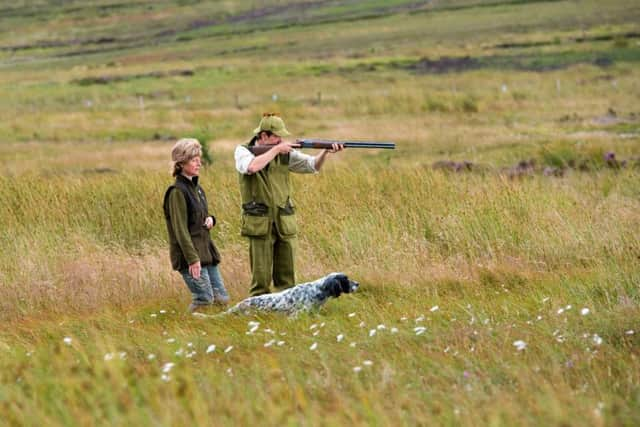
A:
300	298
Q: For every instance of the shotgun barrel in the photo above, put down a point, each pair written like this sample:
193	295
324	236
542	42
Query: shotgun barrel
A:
326	144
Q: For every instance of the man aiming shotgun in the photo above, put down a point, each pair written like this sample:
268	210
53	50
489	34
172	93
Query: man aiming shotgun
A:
268	211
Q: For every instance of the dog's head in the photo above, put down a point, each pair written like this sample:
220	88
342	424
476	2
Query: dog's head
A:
338	283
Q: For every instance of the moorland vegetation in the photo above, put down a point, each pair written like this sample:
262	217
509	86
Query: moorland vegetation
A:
497	247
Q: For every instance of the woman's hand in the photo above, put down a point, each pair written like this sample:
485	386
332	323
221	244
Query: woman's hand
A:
194	270
208	223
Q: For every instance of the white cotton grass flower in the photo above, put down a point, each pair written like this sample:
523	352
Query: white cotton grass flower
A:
313	326
340	337
165	378
269	343
228	349
361	324
167	367
372	332
419	319
108	357
67	340
189	344
191	354
351	315
419	330
163	311
584	311
403	319
315	333
394	330
353	344
434	308
598	409
545	299
171	340
313	346
179	352
280	343
381	327
123	355
151	356
211	348
153	315
269	331
630	332
367	362
560	310
596	339
357	369
519	345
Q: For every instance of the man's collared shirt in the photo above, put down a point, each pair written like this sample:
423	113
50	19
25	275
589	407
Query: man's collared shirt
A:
298	161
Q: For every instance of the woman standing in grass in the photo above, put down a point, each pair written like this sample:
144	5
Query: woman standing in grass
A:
186	212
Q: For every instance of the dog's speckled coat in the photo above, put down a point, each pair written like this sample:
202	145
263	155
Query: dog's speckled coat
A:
302	297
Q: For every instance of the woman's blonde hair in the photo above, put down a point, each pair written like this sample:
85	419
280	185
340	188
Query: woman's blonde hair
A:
183	151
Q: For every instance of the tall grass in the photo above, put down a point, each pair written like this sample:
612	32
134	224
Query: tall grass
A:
380	219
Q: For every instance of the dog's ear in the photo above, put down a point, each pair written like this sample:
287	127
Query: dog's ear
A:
345	284
335	288
332	286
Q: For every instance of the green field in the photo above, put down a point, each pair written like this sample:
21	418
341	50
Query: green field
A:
491	293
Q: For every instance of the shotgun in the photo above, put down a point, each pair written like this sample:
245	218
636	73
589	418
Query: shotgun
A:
326	144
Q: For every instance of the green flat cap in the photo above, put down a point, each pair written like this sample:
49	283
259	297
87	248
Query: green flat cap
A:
271	123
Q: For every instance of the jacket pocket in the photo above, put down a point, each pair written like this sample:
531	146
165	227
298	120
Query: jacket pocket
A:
254	226
201	241
287	224
254	208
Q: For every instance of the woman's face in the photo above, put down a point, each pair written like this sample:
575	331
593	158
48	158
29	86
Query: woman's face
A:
192	167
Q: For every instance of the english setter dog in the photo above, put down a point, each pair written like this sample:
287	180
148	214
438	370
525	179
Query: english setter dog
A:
300	298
